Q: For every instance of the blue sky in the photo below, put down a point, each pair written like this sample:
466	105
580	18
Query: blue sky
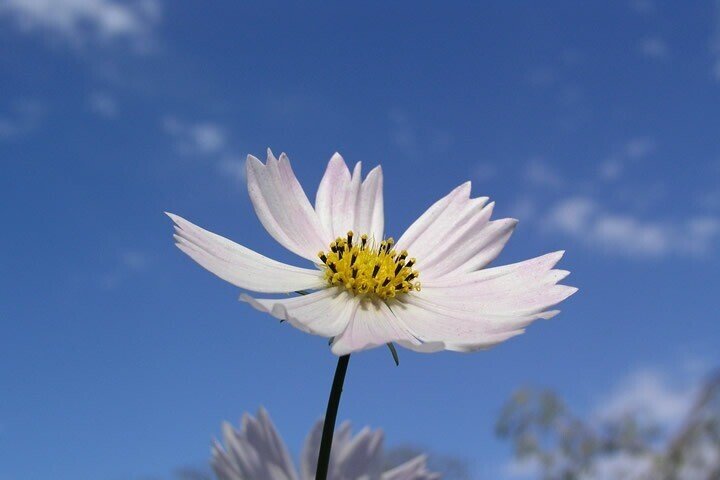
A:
596	125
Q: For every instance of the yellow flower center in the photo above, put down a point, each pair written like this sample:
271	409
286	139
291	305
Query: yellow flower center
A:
364	268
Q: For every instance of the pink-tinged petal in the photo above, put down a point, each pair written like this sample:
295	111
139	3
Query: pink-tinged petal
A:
255	451
480	309
283	208
359	456
456	235
370	218
437	221
415	469
373	324
311	450
344	202
239	265
325	313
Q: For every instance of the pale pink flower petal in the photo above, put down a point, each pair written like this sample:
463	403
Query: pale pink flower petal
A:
456	235
239	265
326	312
414	469
255	452
345	203
373	324
478	310
283	208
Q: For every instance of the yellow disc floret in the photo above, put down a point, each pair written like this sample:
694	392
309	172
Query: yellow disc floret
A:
364	268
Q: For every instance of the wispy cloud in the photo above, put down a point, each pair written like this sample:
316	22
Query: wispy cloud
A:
103	104
624	234
540	173
634	149
654	48
484	171
207	140
202	138
82	22
21	118
412	139
128	263
648	395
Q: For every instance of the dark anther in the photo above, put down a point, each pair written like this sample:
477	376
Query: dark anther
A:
399	267
353	258
333	247
387	280
375	270
331	265
349	236
410	263
410	277
354	272
323	258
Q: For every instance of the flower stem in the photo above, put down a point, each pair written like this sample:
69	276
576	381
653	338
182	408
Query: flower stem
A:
330	417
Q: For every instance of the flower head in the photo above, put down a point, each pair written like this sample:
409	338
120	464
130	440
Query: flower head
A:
256	452
430	290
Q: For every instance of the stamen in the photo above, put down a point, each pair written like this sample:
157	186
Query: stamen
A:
368	268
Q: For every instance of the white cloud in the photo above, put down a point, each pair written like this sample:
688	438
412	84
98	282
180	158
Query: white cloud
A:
648	395
540	173
654	48
103	104
402	132
82	22
635	149
484	171
233	167
522	469
128	264
624	234
207	140
621	465
22	117
203	138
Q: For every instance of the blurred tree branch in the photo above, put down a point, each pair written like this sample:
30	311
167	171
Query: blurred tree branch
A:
545	433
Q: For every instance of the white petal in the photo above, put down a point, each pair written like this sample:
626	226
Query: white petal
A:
283	208
345	203
359	457
431	226
414	469
478	310
370	216
456	235
311	450
239	265
256	451
373	324
326	312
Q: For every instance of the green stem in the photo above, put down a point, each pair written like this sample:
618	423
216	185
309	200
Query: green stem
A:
330	417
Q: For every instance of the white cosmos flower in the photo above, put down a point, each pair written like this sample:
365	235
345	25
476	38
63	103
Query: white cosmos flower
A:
256	452
366	291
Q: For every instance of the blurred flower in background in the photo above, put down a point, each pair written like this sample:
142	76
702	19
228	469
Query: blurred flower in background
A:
256	452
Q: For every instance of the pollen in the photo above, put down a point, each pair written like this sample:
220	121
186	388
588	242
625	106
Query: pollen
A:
366	268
